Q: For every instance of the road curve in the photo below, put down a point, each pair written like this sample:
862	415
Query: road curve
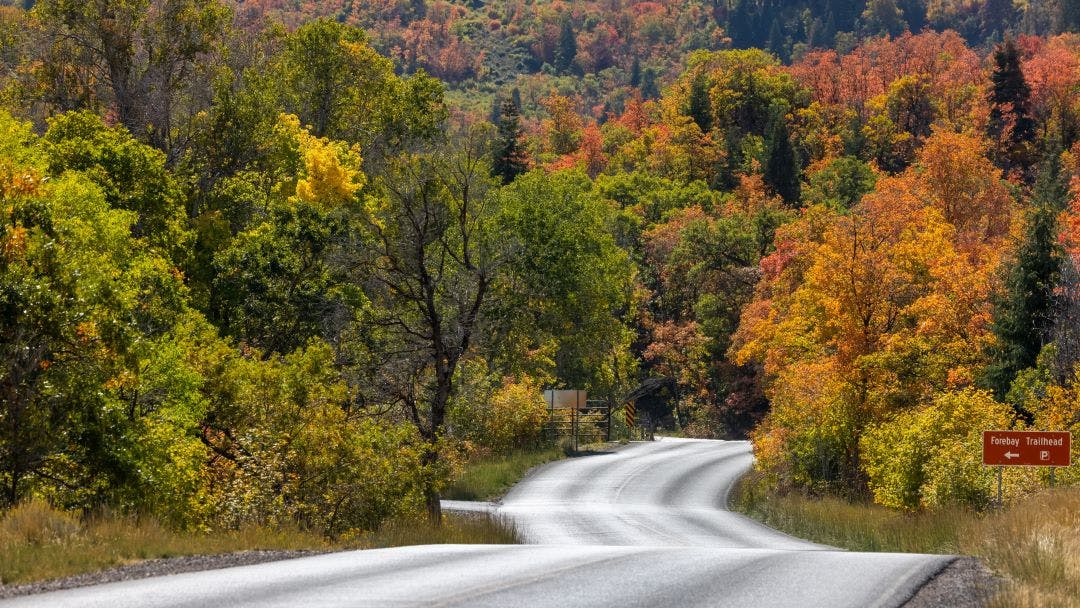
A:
671	492
643	525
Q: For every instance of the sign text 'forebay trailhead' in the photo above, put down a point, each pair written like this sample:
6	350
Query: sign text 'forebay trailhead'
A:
1027	448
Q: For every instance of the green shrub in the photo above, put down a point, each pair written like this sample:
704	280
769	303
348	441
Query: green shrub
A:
929	457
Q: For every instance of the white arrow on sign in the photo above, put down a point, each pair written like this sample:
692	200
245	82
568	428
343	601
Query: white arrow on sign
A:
1011	455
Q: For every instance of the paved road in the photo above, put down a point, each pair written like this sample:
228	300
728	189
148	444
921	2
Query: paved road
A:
639	526
671	492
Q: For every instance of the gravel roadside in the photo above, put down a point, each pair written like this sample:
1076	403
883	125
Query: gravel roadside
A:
153	567
965	583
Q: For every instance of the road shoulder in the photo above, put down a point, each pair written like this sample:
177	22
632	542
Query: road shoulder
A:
965	583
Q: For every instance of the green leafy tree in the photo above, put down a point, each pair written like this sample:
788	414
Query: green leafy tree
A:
132	175
343	89
841	183
85	308
566	266
428	260
151	55
273	288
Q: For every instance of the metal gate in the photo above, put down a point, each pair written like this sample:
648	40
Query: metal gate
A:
572	416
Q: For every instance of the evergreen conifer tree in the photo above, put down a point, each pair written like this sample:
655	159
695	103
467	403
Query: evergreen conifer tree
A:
1009	97
776	40
509	159
566	52
700	105
650	88
1069	20
782	170
1023	312
995	16
742	24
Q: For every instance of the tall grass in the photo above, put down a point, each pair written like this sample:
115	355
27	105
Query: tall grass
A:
1034	543
456	530
38	542
855	526
491	477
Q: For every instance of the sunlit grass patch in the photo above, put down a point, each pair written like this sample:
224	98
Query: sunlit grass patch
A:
491	477
858	527
39	542
456	530
1034	543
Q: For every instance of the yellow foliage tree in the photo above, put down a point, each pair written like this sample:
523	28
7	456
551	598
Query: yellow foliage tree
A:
861	317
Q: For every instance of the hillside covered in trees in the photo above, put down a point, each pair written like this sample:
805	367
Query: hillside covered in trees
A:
261	264
604	51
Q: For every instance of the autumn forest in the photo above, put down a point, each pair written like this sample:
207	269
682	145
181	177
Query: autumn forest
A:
297	262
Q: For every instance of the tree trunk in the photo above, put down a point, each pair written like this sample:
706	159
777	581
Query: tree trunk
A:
431	494
13	490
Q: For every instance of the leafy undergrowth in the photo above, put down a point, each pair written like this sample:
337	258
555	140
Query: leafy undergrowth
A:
489	478
38	542
1034	543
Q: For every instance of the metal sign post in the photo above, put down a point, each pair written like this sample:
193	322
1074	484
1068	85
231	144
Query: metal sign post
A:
574	414
1000	501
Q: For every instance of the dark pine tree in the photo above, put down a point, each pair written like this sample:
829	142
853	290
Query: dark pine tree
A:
635	73
1023	311
1069	18
700	106
782	169
566	51
727	170
777	41
994	17
742	24
496	110
1010	122
846	13
914	13
510	160
650	86
828	31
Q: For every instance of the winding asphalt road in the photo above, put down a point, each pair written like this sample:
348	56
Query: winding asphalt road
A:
644	525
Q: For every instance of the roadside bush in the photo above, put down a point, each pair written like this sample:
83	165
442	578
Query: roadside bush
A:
290	452
930	457
516	416
499	416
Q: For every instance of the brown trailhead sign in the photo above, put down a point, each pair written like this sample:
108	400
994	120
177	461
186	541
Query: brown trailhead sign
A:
1027	448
